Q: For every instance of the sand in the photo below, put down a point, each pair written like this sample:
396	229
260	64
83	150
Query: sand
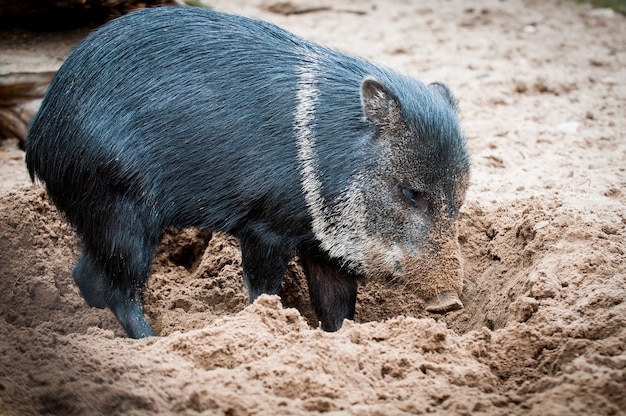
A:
542	97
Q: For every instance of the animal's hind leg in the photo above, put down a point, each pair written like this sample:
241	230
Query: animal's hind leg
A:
100	291
115	266
92	281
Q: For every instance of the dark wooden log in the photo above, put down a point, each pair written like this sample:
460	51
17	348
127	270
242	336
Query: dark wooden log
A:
66	14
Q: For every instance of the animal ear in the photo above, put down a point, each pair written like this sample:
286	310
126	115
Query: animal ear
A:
445	92
379	106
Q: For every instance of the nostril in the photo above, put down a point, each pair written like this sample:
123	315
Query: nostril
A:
444	302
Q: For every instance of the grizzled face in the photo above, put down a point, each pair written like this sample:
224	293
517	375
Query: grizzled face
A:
421	169
397	216
416	185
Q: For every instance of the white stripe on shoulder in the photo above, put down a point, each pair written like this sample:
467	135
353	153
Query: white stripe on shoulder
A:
331	224
307	98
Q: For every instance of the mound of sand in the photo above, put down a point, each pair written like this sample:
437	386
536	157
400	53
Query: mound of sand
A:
542	233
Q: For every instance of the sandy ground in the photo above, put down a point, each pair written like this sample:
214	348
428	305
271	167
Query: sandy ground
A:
542	97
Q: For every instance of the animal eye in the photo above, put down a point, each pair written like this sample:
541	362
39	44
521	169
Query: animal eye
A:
415	199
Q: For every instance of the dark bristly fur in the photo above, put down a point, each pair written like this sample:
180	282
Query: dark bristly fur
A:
183	117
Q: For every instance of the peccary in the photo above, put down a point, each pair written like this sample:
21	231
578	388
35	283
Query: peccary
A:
184	117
